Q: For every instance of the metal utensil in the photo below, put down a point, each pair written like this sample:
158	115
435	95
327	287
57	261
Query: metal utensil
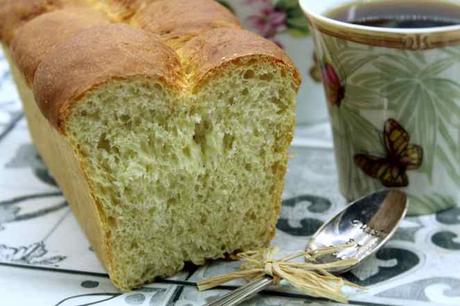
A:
368	223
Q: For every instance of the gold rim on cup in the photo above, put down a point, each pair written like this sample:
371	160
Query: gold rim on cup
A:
410	39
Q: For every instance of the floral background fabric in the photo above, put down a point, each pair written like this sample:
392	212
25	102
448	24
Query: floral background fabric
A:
45	258
270	18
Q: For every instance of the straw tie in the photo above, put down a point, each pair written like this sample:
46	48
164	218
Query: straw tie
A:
310	277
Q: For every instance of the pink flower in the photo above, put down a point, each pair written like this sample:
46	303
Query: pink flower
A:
335	88
268	21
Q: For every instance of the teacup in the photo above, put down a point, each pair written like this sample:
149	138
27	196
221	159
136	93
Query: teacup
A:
394	104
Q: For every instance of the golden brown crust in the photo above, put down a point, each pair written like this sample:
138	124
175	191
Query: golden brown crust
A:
64	64
14	13
177	21
95	56
209	52
123	10
33	40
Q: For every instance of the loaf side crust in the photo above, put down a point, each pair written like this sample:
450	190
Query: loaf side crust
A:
65	166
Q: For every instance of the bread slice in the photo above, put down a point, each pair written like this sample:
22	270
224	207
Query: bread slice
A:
167	154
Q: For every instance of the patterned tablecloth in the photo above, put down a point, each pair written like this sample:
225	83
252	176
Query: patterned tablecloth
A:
46	260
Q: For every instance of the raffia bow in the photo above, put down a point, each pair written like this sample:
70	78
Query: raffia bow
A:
310	277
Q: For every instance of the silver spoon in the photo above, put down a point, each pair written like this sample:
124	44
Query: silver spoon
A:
368	222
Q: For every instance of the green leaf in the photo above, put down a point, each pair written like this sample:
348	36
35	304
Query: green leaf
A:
355	63
401	61
299	23
367	79
452	51
443	86
347	141
450	167
297	33
424	204
287	5
362	98
406	109
341	43
336	121
335	46
449	114
419	56
365	135
295	12
400	93
436	68
296	21
425	132
393	71
227	5
447	96
441	200
452	145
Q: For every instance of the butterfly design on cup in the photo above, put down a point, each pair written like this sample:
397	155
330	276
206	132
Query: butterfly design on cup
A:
402	156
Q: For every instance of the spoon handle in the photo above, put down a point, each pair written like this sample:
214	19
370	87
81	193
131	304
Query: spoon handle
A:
243	293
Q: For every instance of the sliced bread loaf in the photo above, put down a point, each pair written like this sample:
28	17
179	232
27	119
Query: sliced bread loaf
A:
169	140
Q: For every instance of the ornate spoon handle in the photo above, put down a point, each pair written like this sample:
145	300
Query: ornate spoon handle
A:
242	293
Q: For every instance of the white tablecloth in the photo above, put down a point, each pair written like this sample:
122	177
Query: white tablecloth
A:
46	260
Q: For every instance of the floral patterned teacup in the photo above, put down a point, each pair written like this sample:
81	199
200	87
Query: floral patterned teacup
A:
283	22
394	104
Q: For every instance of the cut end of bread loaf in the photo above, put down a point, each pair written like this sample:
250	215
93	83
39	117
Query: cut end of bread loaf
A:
184	178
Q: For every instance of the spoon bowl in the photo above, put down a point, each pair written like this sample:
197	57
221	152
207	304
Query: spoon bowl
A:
366	224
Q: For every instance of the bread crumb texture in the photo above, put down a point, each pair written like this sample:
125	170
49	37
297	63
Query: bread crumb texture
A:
185	178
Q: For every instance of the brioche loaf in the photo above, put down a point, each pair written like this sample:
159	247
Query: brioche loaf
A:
165	124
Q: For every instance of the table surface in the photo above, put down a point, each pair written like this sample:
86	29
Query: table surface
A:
46	260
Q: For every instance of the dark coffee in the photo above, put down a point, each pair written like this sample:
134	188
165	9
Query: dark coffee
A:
399	13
